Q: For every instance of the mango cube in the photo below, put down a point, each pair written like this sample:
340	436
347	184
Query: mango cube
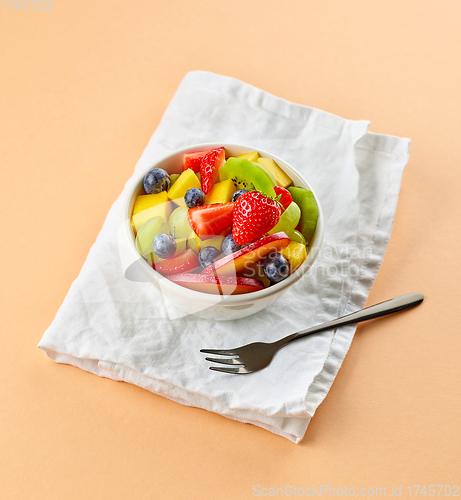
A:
145	201
161	209
196	244
281	177
221	192
193	242
253	156
181	245
295	253
185	181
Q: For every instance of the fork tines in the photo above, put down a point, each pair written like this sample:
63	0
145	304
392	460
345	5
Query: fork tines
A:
224	352
226	361
240	370
239	367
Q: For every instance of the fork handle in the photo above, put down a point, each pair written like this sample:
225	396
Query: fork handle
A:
389	306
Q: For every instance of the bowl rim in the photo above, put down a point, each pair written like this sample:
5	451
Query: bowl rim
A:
203	296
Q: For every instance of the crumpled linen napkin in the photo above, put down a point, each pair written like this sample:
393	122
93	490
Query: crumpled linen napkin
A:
122	330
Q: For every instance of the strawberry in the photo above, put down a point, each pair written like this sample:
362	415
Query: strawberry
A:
194	160
209	220
285	196
254	215
209	168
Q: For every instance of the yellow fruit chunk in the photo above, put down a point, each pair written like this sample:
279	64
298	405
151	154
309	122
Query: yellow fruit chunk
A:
196	244
253	156
145	201
295	253
185	181
181	245
162	210
256	271
281	177
216	242
193	242
221	192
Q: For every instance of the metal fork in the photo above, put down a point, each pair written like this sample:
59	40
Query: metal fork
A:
256	356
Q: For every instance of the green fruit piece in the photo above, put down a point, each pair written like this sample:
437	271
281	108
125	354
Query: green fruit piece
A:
288	220
146	235
164	229
178	224
309	210
268	172
245	175
174	178
297	236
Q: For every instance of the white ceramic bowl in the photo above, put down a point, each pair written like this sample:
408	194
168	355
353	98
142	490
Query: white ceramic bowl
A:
204	305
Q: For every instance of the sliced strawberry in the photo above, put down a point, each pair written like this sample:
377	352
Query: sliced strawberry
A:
209	168
181	263
209	220
194	160
254	215
285	196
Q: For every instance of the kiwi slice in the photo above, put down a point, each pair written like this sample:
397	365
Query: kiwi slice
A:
246	175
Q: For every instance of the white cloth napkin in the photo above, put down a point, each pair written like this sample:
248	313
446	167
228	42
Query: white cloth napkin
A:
122	330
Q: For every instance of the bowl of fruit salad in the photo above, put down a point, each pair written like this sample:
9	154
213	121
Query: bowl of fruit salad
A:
222	229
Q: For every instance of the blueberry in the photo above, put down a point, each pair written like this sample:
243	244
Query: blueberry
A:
208	255
229	246
156	181
275	267
164	245
194	197
239	193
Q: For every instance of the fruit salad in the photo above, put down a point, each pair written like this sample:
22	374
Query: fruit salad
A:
225	224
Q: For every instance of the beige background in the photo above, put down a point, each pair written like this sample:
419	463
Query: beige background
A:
82	89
